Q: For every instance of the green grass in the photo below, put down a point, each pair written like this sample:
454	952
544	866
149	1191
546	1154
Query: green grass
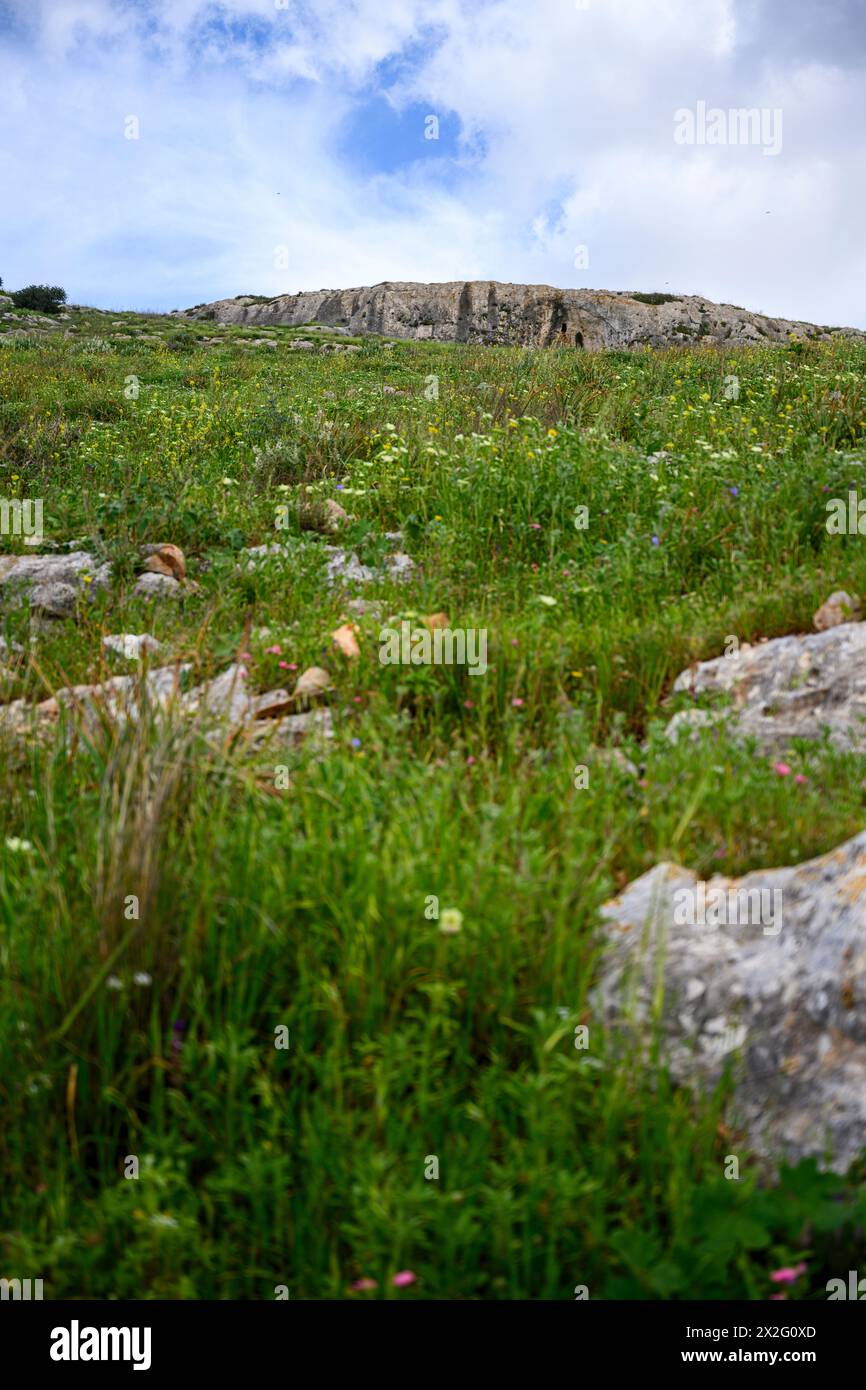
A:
309	908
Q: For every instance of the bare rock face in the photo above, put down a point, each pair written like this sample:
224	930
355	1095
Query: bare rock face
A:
791	687
488	311
775	984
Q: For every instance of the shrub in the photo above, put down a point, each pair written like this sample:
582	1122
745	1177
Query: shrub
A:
656	298
48	299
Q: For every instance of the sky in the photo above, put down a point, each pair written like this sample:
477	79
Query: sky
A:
156	154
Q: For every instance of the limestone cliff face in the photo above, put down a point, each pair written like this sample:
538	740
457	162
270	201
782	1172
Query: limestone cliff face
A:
488	311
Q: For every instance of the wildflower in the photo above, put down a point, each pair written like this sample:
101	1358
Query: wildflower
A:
468	704
451	921
782	769
273	651
655	540
142	978
547	600
356	743
800	779
114	982
470	762
788	1274
16	846
229	482
517	702
364	1285
283	665
403	1279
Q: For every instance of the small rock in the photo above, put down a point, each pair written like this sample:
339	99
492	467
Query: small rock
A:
157	585
312	683
317	515
345	638
56	600
839	608
165	559
343	565
131	645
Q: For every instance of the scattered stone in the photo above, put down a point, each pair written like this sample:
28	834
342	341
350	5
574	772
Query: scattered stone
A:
315	514
790	687
292	727
839	608
400	566
165	559
221	703
131	645
784	996
343	565
56	600
346	639
312	683
157	585
224	697
52	583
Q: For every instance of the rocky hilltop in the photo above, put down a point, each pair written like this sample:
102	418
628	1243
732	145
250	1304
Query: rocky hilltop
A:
488	311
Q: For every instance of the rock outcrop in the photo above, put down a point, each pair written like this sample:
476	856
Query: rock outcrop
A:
790	687
777	987
488	311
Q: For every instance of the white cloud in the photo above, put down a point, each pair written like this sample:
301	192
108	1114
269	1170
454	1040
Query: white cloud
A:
568	121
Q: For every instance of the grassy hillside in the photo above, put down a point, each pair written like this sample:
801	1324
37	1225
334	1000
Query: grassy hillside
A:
706	478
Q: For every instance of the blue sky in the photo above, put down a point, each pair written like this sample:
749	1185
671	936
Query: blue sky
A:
281	146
